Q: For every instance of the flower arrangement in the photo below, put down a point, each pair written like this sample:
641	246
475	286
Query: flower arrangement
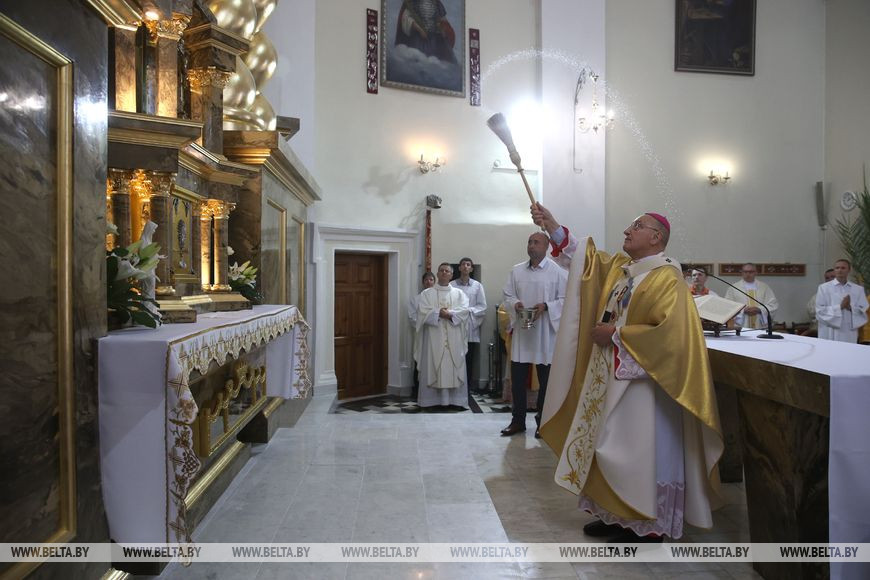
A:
855	237
124	267
243	279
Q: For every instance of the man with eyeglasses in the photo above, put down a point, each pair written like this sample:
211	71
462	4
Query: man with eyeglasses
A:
753	316
631	411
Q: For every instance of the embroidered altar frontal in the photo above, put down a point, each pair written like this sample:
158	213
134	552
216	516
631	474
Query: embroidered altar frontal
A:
171	398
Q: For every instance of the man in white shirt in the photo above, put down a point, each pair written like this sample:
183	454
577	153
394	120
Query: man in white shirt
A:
473	290
413	304
753	316
538	283
841	306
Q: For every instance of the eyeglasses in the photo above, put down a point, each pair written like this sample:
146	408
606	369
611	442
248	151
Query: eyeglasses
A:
637	225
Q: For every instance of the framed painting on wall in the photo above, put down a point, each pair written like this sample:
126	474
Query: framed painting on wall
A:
423	45
716	36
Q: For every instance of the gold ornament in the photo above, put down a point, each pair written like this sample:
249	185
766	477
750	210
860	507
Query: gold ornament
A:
264	113
240	120
240	90
262	59
264	10
237	16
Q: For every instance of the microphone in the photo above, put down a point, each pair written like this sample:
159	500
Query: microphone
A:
769	333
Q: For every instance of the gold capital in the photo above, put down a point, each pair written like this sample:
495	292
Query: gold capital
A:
202	78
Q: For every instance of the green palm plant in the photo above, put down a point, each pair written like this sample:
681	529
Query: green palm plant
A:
854	234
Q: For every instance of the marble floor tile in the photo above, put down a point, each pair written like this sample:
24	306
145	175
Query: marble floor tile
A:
420	478
464	522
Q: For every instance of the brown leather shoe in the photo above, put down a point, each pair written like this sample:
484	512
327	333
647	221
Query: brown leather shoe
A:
512	429
599	529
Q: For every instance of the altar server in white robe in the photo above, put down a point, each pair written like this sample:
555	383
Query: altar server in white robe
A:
753	316
631	410
538	283
841	306
442	340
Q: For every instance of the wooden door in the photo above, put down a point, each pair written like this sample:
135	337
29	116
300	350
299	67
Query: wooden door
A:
360	324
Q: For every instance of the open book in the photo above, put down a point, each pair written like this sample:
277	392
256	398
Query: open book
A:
717	309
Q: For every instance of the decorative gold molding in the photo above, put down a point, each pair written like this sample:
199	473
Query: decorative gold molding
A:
216	208
206	479
187	194
171	29
276	163
118	13
202	168
201	78
300	274
273	406
282	248
66	529
245	377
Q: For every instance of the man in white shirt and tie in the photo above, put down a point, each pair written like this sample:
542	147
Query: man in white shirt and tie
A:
841	306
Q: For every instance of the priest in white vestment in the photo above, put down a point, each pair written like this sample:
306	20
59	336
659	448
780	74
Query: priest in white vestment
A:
631	411
442	339
753	316
841	306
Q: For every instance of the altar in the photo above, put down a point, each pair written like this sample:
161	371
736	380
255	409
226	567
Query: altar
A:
176	398
805	441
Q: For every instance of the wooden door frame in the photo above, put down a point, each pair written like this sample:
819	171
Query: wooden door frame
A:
384	289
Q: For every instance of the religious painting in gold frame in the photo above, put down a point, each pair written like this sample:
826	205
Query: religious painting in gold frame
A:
423	45
51	103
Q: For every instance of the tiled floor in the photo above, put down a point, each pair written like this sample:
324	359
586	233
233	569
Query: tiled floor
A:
393	404
401	477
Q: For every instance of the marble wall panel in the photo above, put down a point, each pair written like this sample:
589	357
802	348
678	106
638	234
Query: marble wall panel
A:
786	470
28	309
76	31
275	193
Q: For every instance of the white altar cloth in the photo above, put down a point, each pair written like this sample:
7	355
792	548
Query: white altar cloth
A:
848	366
146	409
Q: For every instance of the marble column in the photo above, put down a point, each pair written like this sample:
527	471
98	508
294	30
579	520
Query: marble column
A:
123	87
165	35
206	104
161	214
205	265
119	192
196	239
221	213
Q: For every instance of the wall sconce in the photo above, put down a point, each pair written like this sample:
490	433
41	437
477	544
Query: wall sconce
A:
718	178
427	166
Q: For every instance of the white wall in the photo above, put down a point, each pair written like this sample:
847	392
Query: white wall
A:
291	89
367	146
769	126
847	110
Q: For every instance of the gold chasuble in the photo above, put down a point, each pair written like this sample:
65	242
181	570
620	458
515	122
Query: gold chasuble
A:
662	332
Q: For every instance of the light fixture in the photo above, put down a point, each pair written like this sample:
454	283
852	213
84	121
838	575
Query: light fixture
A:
598	118
427	166
717	178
